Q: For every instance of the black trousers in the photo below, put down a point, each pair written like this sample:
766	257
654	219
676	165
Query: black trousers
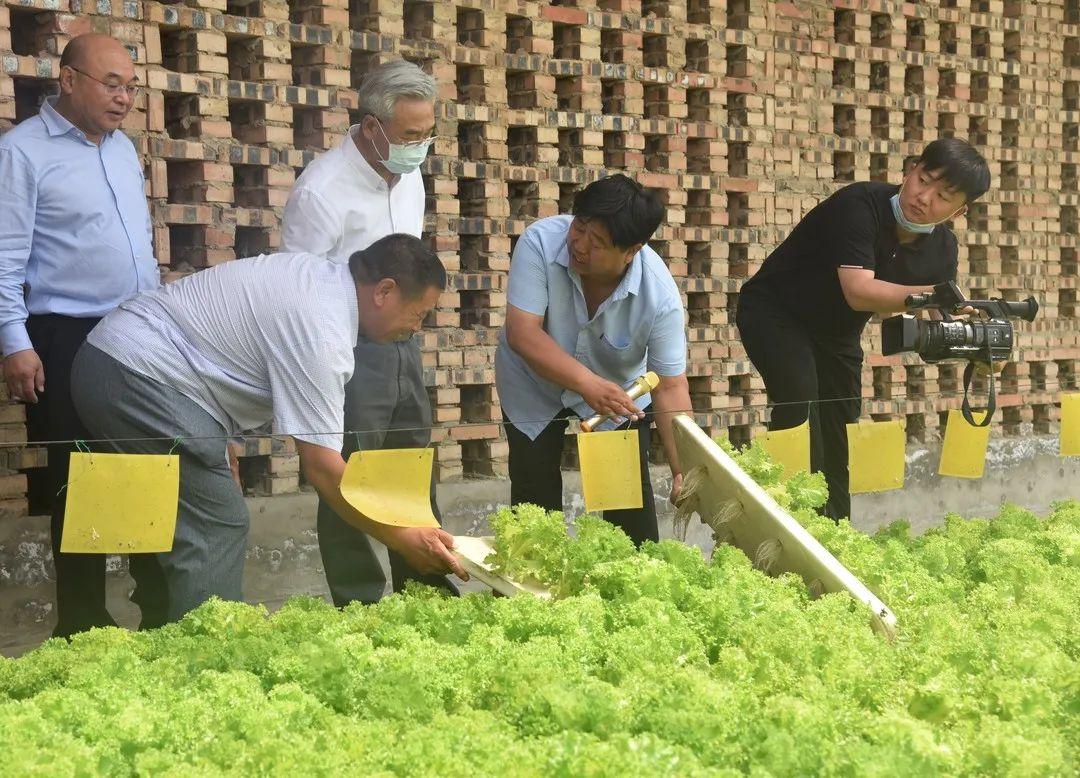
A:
535	475
799	366
386	395
80	578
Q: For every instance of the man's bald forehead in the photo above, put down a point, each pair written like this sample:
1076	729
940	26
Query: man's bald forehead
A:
77	49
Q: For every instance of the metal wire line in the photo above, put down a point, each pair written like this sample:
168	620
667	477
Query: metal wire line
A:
175	439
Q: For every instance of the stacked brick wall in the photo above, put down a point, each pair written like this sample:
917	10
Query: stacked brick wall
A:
745	113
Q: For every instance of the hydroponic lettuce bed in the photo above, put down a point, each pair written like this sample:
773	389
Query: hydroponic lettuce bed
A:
650	662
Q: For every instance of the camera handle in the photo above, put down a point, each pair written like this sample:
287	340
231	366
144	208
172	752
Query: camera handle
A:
991	399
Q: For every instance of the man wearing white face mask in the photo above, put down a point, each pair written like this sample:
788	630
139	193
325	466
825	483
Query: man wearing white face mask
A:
370	185
346	199
861	251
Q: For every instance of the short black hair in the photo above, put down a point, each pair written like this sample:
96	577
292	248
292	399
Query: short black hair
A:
413	266
960	164
630	212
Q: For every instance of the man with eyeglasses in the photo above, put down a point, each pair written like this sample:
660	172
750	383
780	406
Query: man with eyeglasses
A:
367	187
75	242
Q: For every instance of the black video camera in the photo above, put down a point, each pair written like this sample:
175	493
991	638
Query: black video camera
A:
986	341
980	341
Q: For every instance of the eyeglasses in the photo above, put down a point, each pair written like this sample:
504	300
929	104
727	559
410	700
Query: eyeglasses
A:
112	88
408	143
417	143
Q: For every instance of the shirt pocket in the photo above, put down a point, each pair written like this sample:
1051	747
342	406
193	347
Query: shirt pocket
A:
616	341
616	356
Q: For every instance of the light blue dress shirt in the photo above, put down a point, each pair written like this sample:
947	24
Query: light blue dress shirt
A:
75	231
640	327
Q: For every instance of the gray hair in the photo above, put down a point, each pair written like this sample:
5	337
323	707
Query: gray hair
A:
386	84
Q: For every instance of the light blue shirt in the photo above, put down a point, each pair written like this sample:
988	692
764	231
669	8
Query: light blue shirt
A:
640	327
75	232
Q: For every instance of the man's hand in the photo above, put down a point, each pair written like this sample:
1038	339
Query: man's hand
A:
607	397
676	487
24	375
935	314
427	549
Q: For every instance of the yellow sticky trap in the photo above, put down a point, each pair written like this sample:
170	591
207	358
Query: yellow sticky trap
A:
1070	425
963	454
121	503
610	469
392	486
790	448
875	456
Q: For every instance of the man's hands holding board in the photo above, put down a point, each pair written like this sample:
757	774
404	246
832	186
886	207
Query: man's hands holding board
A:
426	549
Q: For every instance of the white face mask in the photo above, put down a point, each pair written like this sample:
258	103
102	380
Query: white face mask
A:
910	226
404	157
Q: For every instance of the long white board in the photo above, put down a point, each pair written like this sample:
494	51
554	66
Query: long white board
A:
755	523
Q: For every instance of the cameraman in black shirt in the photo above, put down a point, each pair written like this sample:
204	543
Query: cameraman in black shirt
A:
861	251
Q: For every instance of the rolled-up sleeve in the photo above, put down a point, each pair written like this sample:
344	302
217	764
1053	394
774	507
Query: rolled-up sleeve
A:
18	204
527	288
666	353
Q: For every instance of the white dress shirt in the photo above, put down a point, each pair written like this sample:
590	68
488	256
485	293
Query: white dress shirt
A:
340	205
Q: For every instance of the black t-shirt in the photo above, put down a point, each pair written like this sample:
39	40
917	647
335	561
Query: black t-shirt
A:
855	227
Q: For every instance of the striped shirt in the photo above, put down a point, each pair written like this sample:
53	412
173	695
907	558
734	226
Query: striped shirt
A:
264	339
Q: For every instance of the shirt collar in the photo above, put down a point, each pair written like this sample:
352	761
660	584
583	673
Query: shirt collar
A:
58	125
631	282
357	160
54	122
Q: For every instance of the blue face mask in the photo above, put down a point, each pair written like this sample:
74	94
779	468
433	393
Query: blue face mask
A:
910	226
404	157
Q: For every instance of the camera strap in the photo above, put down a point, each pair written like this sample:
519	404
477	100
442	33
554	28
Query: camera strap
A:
991	400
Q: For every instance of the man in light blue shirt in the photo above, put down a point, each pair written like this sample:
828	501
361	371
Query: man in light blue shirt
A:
591	308
74	243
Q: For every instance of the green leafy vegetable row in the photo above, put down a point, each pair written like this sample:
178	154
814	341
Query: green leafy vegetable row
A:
649	662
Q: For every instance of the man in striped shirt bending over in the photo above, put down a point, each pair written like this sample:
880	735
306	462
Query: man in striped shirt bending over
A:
228	349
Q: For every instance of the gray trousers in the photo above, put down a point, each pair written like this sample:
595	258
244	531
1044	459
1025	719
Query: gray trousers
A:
386	396
212	520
